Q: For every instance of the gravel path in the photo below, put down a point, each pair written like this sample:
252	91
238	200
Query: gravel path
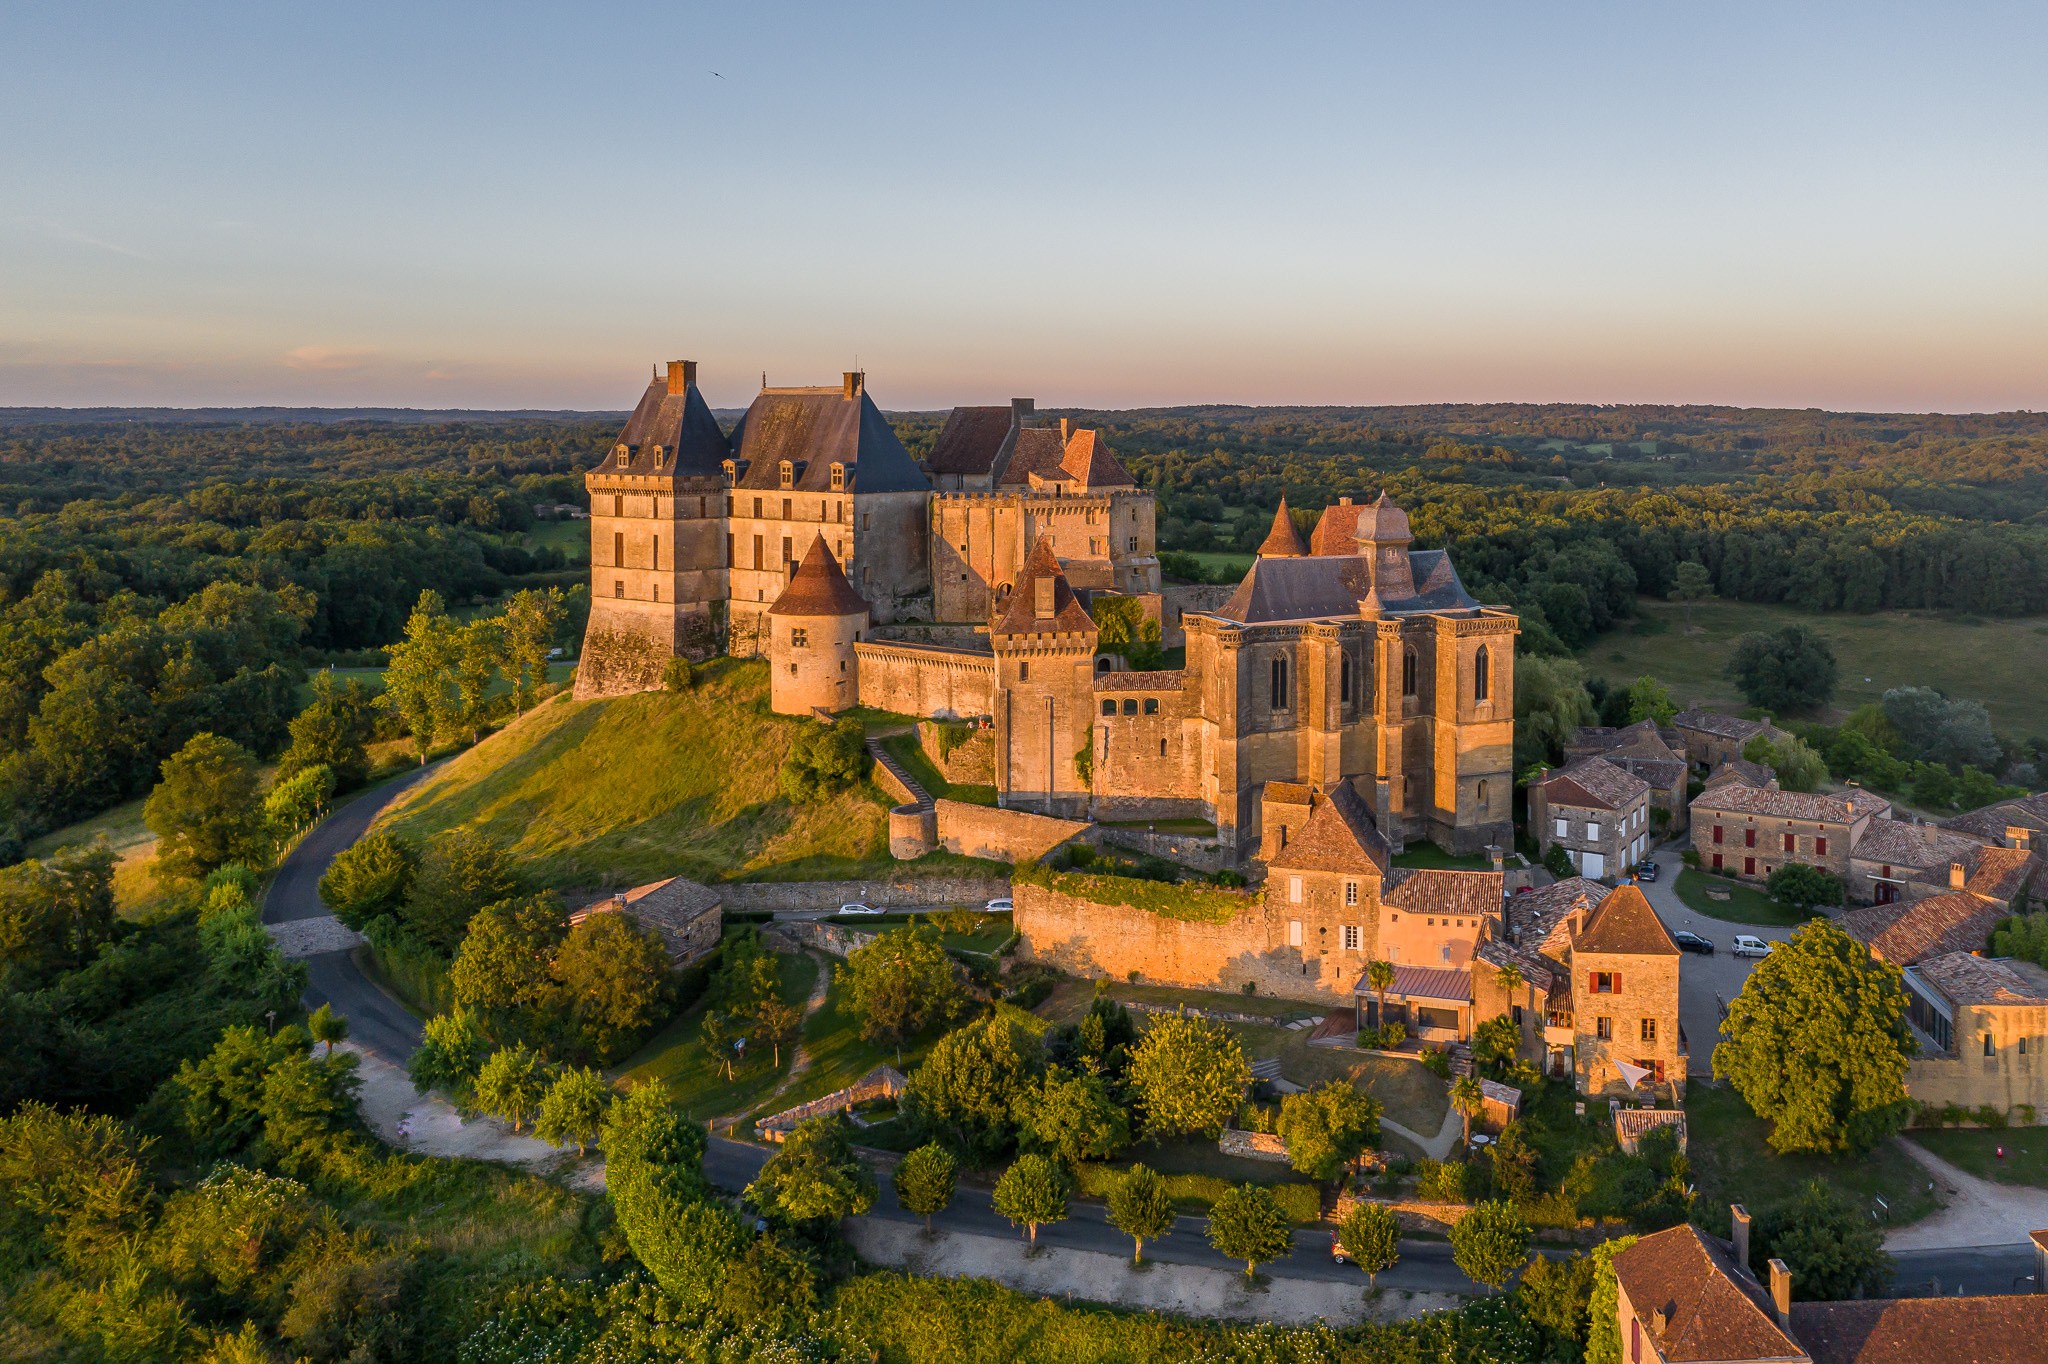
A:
1979	1212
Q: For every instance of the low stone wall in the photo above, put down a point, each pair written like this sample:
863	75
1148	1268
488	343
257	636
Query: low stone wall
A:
969	763
1252	1145
1002	835
1189	850
837	940
1412	1215
891	785
918	679
785	896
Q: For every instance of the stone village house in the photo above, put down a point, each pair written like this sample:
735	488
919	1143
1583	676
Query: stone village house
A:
1598	812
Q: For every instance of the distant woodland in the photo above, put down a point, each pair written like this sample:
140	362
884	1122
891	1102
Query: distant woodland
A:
167	573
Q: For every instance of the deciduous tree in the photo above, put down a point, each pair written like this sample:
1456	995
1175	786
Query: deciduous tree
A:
511	1084
419	679
925	1181
900	983
814	1176
967	1089
452	1050
1248	1224
205	812
615	978
532	620
1490	1243
1691	584
1832	1249
372	877
1032	1193
1140	1208
459	873
1788	669
1325	1128
1189	1074
1072	1117
1371	1236
573	1108
332	732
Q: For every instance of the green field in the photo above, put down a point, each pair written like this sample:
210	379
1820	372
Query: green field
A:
570	537
676	1055
640	787
1732	1164
1997	662
131	842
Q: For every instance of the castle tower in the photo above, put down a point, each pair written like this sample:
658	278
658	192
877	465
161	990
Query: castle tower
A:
812	628
1044	642
657	540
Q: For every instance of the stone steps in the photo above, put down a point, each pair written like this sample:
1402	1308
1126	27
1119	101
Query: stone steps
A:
919	796
1267	1069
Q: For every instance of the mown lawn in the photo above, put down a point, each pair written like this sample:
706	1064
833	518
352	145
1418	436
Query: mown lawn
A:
1977	1150
639	787
676	1055
1732	1163
1745	903
1997	662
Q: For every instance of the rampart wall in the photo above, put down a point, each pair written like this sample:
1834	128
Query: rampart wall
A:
784	896
917	679
1002	835
971	762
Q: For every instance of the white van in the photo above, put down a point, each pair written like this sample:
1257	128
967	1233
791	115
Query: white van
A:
1746	946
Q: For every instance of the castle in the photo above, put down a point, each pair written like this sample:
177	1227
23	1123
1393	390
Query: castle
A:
969	586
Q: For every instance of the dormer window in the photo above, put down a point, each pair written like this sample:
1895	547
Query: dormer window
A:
731	470
625	454
788	473
657	454
1041	597
838	477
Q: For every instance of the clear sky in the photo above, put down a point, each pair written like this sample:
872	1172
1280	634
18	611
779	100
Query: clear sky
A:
520	205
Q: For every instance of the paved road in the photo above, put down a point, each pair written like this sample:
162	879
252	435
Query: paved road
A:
375	1019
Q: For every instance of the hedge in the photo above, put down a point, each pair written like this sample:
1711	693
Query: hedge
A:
1196	1193
1168	899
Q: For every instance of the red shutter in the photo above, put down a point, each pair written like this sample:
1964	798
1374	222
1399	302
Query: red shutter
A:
1820	847
1791	844
1717	833
1614	983
1592	982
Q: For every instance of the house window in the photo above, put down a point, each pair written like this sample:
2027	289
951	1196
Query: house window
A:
729	551
1279	669
1351	937
1479	794
1592	829
657	553
838	478
1603	982
1109	707
788	473
1603	1028
799	638
618	587
757	551
1130	705
786	510
1791	843
1563	827
618	549
1131	543
1480	680
1162	748
619	503
1717	833
1351	892
1408	671
1294	890
757	509
1023	672
1649	1030
1749	838
1344	678
1151	705
1990	1049
788	553
1820	847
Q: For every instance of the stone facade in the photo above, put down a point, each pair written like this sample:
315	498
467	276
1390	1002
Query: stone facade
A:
1751	831
969	761
1984	1025
925	679
1002	835
1597	812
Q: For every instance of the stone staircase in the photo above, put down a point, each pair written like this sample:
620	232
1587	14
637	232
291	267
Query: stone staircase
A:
1461	1059
1267	1069
919	797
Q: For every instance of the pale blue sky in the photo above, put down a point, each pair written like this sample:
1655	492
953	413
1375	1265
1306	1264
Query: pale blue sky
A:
521	205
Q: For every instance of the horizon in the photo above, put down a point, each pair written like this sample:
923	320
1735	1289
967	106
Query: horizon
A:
1825	209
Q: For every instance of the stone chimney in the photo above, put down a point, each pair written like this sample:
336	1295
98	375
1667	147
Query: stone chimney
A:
851	383
1957	879
1343	501
682	374
1066	429
1497	857
1781	1293
1739	1215
2017	836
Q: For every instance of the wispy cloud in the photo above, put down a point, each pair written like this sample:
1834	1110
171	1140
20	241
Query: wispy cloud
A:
65	232
330	358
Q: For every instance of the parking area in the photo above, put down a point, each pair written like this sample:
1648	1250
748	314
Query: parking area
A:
1705	984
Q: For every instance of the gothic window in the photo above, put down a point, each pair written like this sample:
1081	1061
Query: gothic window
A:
1481	682
1279	679
1408	672
1344	679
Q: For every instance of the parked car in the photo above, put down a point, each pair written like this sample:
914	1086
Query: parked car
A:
1647	871
1000	905
1337	1251
858	909
1746	946
1693	942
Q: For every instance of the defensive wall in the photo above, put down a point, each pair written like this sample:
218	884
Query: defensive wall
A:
925	679
786	896
968	762
1002	835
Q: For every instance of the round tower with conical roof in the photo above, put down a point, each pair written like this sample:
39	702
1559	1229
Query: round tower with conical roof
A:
812	628
1283	541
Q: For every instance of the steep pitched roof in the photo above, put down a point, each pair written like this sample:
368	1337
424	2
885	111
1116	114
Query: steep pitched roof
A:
2002	1329
1318	587
1088	462
1384	523
1594	784
1663	774
819	587
816	428
1430	891
1283	541
1339	835
1336	529
1624	922
1991	822
1712	1309
1020	614
1540	922
969	440
1737	799
1037	450
680	425
667	908
1741	771
1906	933
2001	873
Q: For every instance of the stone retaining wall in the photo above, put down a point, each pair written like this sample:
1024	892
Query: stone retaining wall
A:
783	896
971	762
834	939
1412	1215
1252	1145
1189	850
1003	835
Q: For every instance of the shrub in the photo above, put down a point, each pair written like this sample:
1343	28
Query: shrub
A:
678	676
1438	1063
1444	1181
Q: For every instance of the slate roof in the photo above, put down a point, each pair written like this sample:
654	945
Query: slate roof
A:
818	587
668	908
1624	922
1736	799
1338	835
1903	934
815	428
970	440
1020	616
1963	978
1133	680
1319	587
1999	1329
1424	982
1898	843
681	424
1594	784
1712	1310
1719	725
1991	822
1431	891
1283	541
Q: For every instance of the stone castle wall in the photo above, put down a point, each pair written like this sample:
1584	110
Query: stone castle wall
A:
786	896
971	762
924	680
1002	835
621	654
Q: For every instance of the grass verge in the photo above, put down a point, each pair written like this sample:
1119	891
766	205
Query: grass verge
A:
1733	1163
1744	905
1977	1150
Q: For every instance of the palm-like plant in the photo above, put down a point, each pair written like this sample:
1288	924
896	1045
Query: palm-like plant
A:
1509	978
1469	1100
1380	976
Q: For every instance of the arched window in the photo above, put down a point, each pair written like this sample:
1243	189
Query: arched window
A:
1280	694
1481	681
1102	664
1344	679
1408	671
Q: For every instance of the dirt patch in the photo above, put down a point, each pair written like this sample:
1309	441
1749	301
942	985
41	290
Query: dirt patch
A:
1184	1290
428	1124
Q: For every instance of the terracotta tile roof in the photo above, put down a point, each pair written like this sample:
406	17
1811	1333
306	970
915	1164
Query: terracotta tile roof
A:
1901	844
1088	462
1339	835
1736	799
1594	784
1020	615
1741	771
1991	822
1430	891
681	424
2002	873
818	588
1538	971
816	428
970	439
2000	1329
1424	982
1336	531
1712	1310
1539	922
1906	933
1966	979
666	907
1132	680
1283	541
1624	922
1719	725
1038	450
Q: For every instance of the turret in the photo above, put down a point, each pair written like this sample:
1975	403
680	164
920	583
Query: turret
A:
812	628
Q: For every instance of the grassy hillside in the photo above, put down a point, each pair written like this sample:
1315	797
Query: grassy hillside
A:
1997	662
641	787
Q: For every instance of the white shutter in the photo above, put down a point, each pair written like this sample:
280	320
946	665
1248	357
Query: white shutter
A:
1294	890
1294	932
1561	827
